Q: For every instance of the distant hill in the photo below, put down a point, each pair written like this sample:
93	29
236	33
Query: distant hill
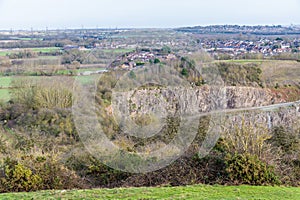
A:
237	29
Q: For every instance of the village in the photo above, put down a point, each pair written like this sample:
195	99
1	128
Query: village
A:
265	46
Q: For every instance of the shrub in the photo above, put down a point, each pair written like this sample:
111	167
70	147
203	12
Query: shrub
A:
287	140
18	178
156	61
52	95
23	54
44	93
248	137
55	122
54	174
104	175
98	174
32	173
248	169
184	72
239	74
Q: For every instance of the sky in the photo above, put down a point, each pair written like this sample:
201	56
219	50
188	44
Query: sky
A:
53	14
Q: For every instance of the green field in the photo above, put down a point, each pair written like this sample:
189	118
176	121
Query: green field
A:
189	192
243	61
43	50
76	71
48	58
4	53
4	95
117	50
29	39
87	79
26	38
5	82
4	88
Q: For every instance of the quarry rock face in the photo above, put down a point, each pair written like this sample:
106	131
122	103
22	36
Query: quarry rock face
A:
200	100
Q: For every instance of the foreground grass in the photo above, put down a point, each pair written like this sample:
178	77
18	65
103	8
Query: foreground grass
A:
188	192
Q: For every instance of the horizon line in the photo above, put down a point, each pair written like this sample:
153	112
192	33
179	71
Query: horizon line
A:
139	27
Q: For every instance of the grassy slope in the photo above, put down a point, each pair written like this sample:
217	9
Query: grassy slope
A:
279	71
274	70
189	192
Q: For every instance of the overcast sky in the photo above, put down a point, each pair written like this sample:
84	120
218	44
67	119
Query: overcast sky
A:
39	14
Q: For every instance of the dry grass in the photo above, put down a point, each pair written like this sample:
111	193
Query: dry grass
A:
281	72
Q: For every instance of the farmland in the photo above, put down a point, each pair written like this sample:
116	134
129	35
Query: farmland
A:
4	88
5	82
4	95
38	50
274	73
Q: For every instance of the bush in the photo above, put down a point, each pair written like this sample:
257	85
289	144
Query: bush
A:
32	173
52	95
56	122
98	174
54	174
184	72
239	74
43	93
72	55
247	137
23	54
156	61
104	175
248	169
287	140
18	178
